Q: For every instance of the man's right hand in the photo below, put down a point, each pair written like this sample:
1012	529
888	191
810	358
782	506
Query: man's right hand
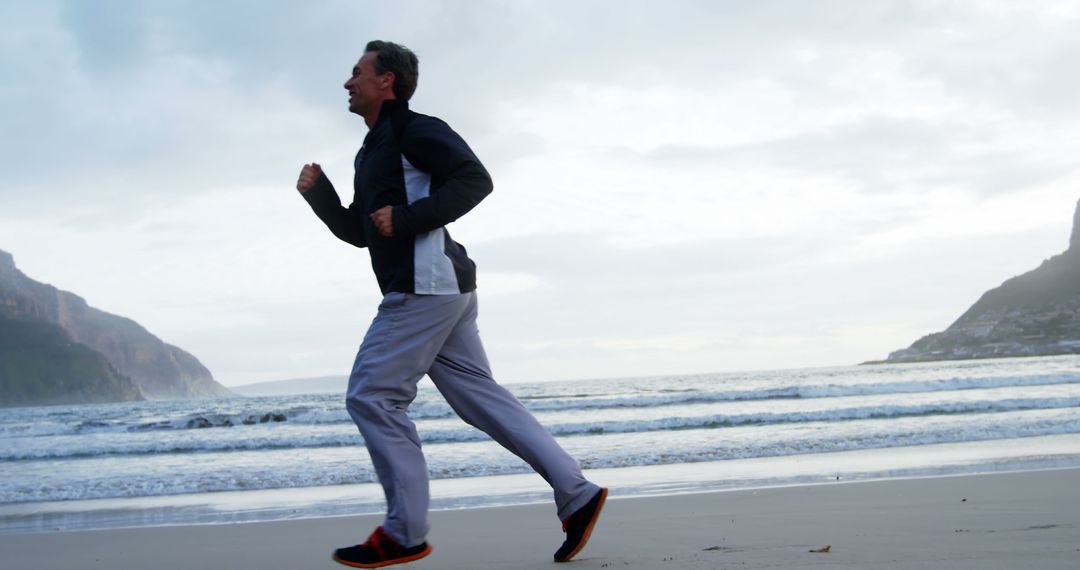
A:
308	175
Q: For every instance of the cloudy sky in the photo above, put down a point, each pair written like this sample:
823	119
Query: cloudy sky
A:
679	187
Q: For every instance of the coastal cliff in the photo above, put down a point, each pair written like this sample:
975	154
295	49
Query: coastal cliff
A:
58	349
1033	314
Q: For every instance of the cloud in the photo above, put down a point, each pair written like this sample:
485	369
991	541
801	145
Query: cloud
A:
132	104
721	181
880	154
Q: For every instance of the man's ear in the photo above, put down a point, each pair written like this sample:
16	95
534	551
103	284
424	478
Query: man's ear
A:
388	80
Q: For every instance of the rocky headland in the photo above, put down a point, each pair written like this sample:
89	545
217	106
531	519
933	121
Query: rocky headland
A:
1034	314
57	349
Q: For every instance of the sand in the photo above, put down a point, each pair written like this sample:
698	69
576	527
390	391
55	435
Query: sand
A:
1008	520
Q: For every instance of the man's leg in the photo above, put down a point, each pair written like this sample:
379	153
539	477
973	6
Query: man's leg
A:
461	372
398	349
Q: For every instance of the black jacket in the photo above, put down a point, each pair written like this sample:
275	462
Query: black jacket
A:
422	168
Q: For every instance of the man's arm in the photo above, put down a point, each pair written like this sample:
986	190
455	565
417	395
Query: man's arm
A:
345	223
458	179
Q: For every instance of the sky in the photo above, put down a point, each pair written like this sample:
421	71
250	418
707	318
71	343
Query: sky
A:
680	187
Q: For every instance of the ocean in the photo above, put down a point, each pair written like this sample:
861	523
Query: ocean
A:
272	457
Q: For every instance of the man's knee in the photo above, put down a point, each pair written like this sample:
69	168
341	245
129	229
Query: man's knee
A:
366	405
375	403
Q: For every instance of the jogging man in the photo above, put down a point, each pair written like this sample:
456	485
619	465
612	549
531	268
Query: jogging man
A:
414	176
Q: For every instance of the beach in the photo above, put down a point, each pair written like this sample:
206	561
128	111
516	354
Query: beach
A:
1028	519
929	465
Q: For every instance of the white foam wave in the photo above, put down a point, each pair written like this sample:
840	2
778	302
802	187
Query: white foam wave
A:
157	443
286	469
330	410
665	398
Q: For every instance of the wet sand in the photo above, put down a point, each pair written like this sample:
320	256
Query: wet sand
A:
1009	520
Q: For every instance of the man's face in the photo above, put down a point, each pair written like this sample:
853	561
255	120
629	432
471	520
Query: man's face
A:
367	90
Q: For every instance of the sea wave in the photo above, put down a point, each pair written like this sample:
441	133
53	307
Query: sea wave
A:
238	472
429	406
798	391
21	449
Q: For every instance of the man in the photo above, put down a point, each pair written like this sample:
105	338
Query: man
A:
414	175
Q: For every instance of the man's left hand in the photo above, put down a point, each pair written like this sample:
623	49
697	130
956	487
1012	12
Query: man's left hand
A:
384	220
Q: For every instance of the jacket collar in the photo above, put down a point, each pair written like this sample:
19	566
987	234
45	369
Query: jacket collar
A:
389	107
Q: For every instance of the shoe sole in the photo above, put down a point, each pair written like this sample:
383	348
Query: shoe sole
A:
588	529
416	556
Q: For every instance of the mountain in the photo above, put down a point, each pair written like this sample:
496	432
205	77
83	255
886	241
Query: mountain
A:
55	348
40	365
1034	314
319	385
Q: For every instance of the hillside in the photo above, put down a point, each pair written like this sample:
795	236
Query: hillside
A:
58	349
40	365
319	385
1033	314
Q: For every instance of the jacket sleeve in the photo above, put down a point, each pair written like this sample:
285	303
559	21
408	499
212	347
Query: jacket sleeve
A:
345	223
458	180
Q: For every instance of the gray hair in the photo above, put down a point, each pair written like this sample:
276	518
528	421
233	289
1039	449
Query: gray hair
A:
399	60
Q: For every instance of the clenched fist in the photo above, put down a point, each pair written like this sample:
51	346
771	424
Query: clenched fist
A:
384	220
308	175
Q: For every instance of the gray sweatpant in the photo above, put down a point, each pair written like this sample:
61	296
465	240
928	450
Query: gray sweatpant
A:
413	335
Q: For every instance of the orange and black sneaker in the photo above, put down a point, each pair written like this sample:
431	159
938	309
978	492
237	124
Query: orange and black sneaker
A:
380	550
579	526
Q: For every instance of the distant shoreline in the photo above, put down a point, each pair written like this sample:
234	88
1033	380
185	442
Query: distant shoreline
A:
956	358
